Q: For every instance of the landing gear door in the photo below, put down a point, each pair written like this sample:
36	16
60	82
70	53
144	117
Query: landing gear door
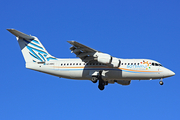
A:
93	73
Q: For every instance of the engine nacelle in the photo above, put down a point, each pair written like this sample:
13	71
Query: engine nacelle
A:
104	58
115	62
107	59
123	82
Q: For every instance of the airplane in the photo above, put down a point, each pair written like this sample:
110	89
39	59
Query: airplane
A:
91	65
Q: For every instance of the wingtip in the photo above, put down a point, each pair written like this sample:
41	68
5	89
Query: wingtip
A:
72	41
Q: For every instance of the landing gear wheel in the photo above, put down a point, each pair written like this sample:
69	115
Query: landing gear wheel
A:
101	81
101	86
161	83
94	79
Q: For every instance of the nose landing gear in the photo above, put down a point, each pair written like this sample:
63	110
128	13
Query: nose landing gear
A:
161	82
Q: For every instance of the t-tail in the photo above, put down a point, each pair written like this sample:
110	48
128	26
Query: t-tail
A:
32	49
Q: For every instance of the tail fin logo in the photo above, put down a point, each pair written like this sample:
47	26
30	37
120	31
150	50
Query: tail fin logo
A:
37	51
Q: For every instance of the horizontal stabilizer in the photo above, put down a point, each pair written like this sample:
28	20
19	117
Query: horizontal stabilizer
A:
20	34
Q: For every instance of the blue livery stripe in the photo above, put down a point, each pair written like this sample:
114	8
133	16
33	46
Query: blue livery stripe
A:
35	41
33	44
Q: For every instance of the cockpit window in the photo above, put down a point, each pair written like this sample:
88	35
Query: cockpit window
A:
160	65
156	64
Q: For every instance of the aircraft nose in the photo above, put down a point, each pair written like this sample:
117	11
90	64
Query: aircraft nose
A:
170	73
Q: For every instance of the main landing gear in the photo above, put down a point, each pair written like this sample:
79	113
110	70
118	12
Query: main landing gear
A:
94	79
161	82
102	83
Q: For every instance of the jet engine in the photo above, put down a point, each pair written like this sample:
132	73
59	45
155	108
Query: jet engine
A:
115	62
107	59
104	58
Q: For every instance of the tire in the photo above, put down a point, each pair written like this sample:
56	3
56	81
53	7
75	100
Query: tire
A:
161	83
94	79
101	87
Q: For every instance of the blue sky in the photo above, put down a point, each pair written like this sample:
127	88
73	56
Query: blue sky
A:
124	29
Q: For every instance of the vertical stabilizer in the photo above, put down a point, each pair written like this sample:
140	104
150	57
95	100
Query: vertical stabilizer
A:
31	47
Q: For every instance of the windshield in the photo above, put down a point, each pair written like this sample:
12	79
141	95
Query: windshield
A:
156	64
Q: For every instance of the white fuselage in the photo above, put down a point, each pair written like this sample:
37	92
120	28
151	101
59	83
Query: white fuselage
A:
93	65
130	69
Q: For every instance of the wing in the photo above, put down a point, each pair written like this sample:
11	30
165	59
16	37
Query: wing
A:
88	54
85	53
81	46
